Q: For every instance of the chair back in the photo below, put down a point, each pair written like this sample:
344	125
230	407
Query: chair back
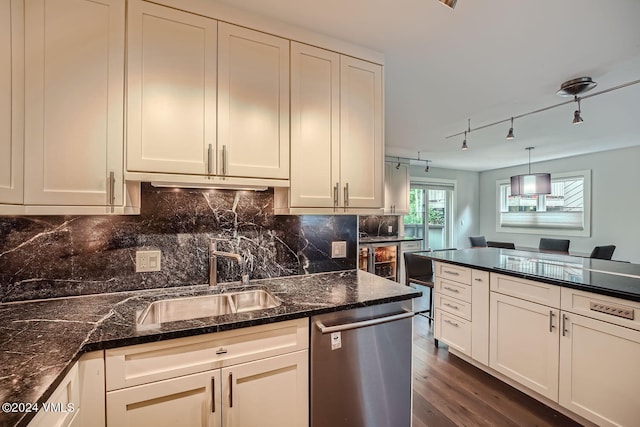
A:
418	269
603	252
504	245
558	245
478	241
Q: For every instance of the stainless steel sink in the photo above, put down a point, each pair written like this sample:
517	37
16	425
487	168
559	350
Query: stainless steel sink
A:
175	309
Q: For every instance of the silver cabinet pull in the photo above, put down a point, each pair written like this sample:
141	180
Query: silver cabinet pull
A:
210	159
455	307
224	160
453	273
551	321
564	325
112	190
213	394
451	289
477	279
221	350
346	195
335	194
230	390
451	323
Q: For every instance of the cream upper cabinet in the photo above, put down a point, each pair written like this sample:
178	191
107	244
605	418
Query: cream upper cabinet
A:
396	188
315	126
253	103
11	101
171	91
361	133
74	99
336	125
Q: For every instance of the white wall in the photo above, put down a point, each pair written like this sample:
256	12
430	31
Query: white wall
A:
615	201
466	203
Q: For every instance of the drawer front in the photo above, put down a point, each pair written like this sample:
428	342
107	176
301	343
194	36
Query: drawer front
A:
453	289
411	246
145	363
538	292
453	272
613	310
453	306
454	331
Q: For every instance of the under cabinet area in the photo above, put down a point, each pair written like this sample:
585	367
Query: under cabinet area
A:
255	376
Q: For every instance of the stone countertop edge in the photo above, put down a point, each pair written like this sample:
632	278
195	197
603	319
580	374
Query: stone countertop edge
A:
115	324
604	287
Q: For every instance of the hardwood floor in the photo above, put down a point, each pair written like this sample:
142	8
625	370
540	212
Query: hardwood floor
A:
450	392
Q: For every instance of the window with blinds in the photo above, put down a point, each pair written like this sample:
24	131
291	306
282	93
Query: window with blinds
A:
563	212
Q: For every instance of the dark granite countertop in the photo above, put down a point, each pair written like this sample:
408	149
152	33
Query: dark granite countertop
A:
613	278
388	239
40	340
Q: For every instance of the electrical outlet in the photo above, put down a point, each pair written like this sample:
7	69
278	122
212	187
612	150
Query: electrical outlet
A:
147	261
339	249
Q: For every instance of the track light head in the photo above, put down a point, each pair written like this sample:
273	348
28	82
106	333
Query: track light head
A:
510	134
426	167
465	147
576	114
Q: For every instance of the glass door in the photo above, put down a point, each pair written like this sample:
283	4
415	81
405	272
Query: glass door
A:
429	216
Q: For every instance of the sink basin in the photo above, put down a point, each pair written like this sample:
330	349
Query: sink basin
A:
175	309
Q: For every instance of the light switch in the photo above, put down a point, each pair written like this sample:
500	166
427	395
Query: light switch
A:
147	261
339	249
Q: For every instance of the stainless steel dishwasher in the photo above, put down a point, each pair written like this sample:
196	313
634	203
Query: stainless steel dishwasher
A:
361	367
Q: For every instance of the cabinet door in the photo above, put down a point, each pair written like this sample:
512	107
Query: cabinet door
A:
11	101
171	90
396	188
361	137
271	392
191	400
315	126
253	103
74	99
524	343
599	371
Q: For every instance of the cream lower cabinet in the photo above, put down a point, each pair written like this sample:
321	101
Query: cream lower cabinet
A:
79	399
74	102
599	359
254	376
461	302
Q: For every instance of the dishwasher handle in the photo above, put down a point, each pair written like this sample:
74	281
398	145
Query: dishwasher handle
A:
355	325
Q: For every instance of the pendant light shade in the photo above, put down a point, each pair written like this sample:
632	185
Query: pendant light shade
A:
530	184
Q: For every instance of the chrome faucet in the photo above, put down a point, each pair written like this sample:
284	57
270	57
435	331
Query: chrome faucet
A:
214	253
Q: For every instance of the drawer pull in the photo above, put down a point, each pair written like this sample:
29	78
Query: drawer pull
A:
453	273
451	289
551	321
477	279
626	313
221	350
451	323
455	307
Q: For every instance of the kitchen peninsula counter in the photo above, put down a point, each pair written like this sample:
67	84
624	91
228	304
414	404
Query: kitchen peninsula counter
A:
612	278
40	340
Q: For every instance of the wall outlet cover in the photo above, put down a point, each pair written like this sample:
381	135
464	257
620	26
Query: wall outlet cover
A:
339	249
148	261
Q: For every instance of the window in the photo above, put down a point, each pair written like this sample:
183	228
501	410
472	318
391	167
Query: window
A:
429	215
566	211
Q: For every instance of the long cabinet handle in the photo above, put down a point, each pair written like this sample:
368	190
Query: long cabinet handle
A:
451	323
213	394
346	195
210	159
551	321
564	325
230	390
335	194
112	189
224	160
451	289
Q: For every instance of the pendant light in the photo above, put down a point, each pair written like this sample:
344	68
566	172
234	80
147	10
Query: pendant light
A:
530	184
510	135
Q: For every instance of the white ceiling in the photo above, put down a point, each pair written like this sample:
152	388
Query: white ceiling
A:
488	60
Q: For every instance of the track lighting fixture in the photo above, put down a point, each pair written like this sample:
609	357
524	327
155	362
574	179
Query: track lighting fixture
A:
576	114
398	165
465	147
510	134
407	161
449	3
426	168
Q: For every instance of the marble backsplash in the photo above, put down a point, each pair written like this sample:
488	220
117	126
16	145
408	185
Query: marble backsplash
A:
378	225
52	256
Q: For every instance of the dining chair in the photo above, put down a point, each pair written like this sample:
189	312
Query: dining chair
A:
603	252
478	241
503	245
555	245
419	271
